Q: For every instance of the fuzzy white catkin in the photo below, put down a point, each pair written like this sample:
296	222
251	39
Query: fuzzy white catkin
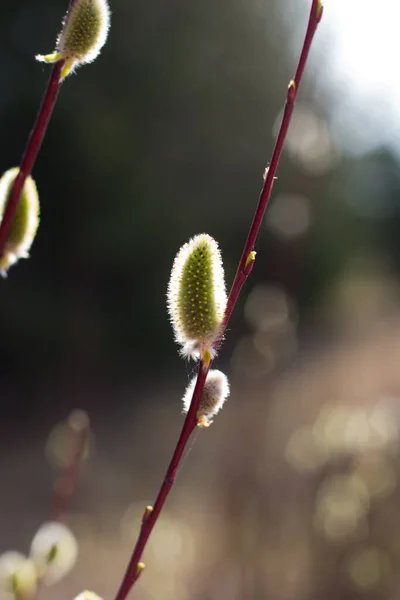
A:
18	575
84	33
86	595
196	296
54	551
215	392
26	220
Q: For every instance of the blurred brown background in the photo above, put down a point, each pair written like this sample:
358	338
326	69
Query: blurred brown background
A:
293	492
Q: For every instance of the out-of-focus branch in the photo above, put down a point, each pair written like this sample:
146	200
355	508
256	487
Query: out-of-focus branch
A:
65	484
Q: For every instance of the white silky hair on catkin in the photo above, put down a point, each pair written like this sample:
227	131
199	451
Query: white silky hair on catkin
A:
18	575
27	212
196	297
57	538
86	595
104	13
216	391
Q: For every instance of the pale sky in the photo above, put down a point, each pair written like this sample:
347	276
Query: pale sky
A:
358	46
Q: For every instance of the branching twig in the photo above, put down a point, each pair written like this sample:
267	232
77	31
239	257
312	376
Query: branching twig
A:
245	266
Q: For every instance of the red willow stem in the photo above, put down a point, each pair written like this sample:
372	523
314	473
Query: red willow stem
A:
151	514
31	151
32	148
245	265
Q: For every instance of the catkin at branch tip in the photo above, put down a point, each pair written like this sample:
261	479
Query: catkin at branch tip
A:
84	33
196	296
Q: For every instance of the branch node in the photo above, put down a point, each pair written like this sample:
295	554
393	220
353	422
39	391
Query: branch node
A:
248	266
292	91
206	358
251	258
147	513
139	569
202	421
320	10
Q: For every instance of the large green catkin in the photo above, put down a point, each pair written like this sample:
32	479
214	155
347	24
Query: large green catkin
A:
197	296
84	33
25	223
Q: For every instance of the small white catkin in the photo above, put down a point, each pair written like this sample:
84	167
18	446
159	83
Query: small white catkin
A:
26	220
54	551
196	297
215	392
18	576
86	595
84	33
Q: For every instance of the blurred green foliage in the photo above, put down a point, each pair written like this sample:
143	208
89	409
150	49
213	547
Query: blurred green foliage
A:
166	135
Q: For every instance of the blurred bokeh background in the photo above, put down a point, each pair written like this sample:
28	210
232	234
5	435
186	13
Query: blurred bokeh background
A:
292	493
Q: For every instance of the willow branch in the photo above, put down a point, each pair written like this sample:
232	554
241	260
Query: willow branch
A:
246	262
32	147
151	513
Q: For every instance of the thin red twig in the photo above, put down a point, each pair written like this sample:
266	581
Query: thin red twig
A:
242	272
31	151
150	517
32	147
245	266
